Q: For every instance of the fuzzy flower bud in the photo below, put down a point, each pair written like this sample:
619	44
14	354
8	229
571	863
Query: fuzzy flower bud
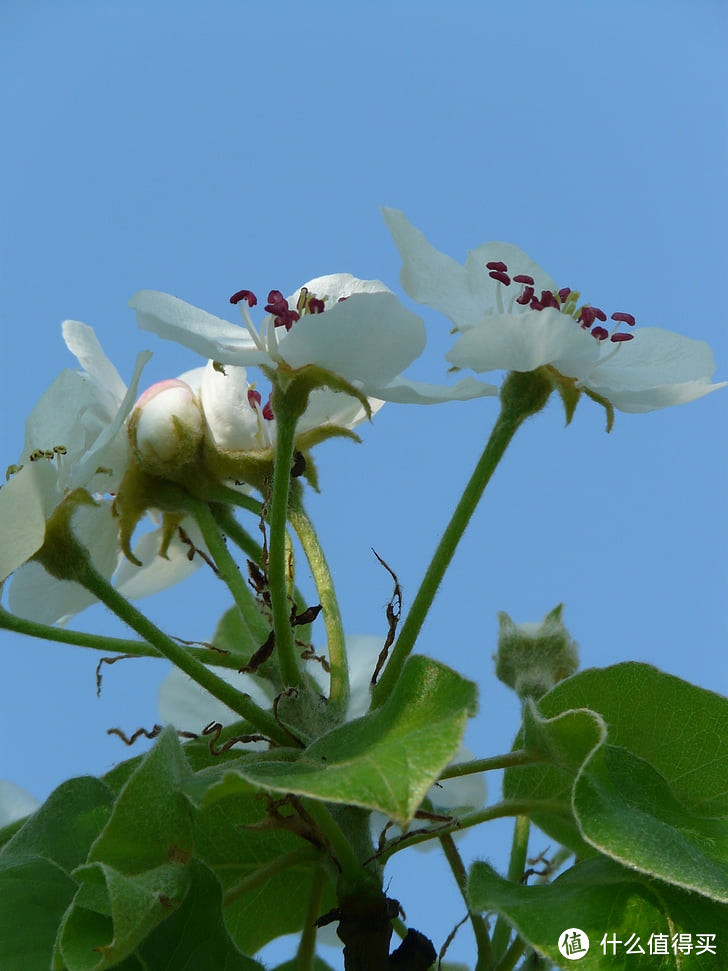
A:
532	657
166	427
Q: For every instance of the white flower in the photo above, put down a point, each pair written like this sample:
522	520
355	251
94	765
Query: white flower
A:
15	803
76	437
356	329
512	316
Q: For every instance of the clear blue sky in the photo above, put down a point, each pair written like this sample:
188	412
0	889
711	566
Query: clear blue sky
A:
203	148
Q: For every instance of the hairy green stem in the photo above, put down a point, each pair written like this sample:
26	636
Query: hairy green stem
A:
505	761
240	703
303	527
516	868
351	868
522	395
480	928
306	951
99	642
277	558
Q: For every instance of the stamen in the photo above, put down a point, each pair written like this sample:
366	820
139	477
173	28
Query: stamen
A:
564	294
500	275
524	278
601	333
268	411
526	296
247	295
620	338
254	398
498	265
316	306
624	318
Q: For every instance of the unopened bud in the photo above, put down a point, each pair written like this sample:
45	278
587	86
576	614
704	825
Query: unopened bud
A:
533	657
166	427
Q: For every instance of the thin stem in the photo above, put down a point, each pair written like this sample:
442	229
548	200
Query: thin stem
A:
516	868
240	703
277	559
512	955
263	874
351	869
307	946
480	928
226	565
339	693
508	807
505	428
98	642
505	761
216	492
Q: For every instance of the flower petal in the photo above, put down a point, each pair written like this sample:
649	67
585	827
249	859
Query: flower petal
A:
369	337
214	338
189	707
82	342
15	803
26	501
231	422
526	341
407	392
158	573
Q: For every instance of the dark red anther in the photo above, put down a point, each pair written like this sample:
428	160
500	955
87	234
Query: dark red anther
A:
599	314
342	299
619	338
624	318
316	306
278	305
500	275
536	304
253	398
525	296
268	411
547	299
564	294
524	278
247	295
496	265
601	333
586	317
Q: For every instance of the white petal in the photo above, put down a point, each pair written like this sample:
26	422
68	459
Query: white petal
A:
26	501
157	573
187	706
231	422
653	357
337	286
176	320
82	342
368	337
38	596
15	803
57	417
327	407
524	342
362	652
420	393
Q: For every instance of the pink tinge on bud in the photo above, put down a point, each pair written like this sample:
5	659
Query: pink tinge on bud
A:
167	413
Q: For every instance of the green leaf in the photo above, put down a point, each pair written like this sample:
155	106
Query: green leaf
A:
267	874
643	758
195	937
66	825
600	897
151	823
34	894
386	760
112	913
318	965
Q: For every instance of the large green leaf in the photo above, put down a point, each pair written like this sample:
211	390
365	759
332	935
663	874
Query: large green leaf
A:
643	758
386	760
34	893
603	899
112	913
66	825
151	823
194	938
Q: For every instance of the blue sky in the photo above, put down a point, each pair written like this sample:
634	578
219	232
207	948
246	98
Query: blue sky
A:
201	149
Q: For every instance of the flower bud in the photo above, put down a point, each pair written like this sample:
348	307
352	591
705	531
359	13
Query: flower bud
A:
532	657
166	427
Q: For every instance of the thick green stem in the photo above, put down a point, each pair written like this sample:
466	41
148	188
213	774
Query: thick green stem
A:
240	703
306	951
480	928
339	693
351	869
286	417
522	395
505	761
516	868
